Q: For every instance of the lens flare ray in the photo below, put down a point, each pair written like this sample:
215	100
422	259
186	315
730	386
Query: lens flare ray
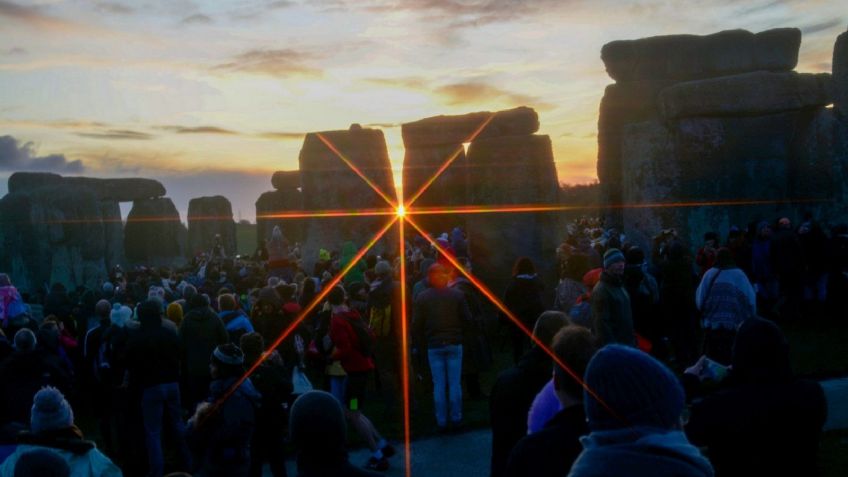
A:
302	316
506	311
356	170
448	162
404	326
328	213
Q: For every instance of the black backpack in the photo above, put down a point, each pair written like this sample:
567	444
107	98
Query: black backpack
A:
364	335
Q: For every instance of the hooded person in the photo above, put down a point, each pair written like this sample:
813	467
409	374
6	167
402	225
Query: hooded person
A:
11	303
200	332
52	429
634	419
612	317
515	389
153	368
221	430
760	421
523	297
318	432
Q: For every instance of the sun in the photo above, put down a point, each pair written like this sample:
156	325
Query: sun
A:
401	211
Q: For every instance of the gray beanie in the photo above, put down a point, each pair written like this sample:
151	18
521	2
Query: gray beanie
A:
50	411
317	422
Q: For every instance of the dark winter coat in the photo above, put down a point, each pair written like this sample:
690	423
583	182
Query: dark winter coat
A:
153	355
510	401
200	332
523	297
612	319
21	376
552	450
439	317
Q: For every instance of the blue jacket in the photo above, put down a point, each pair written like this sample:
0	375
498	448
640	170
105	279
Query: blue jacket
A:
637	452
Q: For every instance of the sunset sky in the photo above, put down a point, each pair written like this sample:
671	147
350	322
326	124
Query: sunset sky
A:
211	97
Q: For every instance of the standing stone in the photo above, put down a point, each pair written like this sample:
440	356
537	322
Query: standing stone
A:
512	171
328	183
119	190
208	217
840	75
152	233
449	189
287	198
114	233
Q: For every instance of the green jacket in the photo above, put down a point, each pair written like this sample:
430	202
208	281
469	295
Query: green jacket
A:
612	321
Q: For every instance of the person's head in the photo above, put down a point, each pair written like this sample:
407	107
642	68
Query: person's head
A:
336	297
574	346
711	239
784	223
48	334
438	276
636	389
523	266
50	411
103	309
635	256
317	427
226	302
614	262
227	361
25	340
760	353
724	259
383	269
763	230
120	316
174	312
548	325
5	281
150	313
189	291
41	462
252	345
287	292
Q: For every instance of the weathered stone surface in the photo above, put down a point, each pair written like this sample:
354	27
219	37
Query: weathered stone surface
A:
622	104
152	233
113	228
120	190
450	188
53	234
328	183
450	130
516	170
286	180
270	205
208	217
688	57
840	75
755	93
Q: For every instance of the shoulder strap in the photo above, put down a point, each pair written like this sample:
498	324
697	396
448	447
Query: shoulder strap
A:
710	287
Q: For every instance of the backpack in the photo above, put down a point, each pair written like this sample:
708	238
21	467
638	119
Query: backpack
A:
381	320
364	335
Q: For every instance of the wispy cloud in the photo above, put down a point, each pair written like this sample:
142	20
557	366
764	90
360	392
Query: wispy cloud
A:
477	92
457	13
196	19
117	134
279	63
17	50
114	7
409	82
284	135
15	156
34	17
198	130
823	26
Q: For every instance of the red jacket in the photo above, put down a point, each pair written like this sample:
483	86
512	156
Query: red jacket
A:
346	343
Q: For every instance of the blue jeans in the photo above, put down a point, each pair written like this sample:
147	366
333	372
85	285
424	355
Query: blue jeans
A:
154	401
446	368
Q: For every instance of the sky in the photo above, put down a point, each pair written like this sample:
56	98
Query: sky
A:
211	97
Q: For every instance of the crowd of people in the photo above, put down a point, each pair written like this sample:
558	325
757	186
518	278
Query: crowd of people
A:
213	369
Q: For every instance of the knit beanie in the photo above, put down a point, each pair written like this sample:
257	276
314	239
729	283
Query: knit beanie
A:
41	462
50	411
175	313
228	354
611	256
317	423
640	390
120	315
